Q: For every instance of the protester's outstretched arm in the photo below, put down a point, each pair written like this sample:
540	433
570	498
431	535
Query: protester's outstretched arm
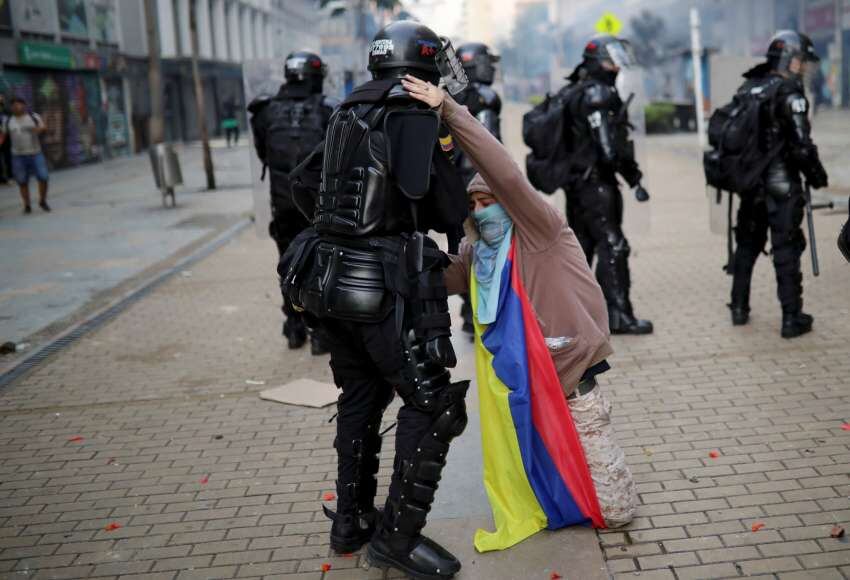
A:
523	203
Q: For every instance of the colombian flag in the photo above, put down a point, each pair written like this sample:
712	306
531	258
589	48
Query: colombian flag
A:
535	472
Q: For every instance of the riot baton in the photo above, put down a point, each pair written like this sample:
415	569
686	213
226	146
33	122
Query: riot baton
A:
810	219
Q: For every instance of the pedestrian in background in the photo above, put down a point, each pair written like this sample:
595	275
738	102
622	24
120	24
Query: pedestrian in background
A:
230	123
23	128
6	147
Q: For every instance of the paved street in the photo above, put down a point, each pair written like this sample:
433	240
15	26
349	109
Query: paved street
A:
143	451
108	227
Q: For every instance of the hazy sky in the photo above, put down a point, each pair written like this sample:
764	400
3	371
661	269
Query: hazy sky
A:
446	16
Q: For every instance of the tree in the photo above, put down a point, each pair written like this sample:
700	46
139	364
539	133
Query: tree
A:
199	96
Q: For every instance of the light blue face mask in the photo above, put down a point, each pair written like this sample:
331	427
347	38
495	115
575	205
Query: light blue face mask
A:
493	224
491	252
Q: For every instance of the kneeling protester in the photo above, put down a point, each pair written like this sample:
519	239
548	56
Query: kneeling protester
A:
541	333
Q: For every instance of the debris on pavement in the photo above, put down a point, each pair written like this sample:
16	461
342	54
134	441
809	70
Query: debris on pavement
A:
714	454
837	532
329	496
757	526
112	527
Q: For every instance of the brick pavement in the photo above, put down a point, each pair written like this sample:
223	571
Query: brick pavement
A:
207	481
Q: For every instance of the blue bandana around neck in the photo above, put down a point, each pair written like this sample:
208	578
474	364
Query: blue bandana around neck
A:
490	254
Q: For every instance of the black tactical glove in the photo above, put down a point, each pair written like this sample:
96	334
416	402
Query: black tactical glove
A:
844	240
641	194
816	174
441	351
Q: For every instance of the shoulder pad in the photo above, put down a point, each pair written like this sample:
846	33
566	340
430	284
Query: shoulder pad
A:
598	95
489	98
795	103
259	104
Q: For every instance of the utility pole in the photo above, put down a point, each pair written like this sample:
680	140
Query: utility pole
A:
696	55
199	95
156	125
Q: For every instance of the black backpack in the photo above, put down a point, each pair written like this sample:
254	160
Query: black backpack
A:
547	166
736	162
296	127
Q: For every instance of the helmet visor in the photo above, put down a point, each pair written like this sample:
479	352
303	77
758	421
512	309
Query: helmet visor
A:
451	70
621	54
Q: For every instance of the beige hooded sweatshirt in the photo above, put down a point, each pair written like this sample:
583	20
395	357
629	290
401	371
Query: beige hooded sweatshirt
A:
565	296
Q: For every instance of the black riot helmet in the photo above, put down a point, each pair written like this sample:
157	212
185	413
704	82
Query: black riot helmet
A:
478	62
604	55
785	46
305	67
405	47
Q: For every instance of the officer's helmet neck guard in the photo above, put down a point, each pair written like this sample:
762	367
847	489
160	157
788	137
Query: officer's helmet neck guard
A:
406	47
787	45
303	67
478	62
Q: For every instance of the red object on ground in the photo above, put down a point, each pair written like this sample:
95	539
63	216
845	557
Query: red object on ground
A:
845	427
837	532
714	454
329	496
757	526
348	555
112	527
76	438
326	567
554	576
204	480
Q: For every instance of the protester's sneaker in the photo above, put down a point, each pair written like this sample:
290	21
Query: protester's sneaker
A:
424	559
27	209
43	205
796	324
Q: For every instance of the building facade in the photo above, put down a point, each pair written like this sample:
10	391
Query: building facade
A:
83	65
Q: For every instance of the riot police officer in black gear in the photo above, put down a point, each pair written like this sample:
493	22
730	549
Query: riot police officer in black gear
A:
376	282
778	202
486	106
286	128
597	136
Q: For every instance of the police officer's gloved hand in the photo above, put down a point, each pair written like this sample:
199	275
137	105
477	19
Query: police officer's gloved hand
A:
641	194
440	350
817	176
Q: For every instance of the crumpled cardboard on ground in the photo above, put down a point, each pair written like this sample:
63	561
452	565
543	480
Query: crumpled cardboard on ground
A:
304	393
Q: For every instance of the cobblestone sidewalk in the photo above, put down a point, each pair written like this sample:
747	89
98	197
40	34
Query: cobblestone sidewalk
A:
142	451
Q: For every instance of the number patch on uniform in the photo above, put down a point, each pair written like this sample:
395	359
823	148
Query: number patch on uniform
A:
799	105
595	119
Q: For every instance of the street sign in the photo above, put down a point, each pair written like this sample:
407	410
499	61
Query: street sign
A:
609	24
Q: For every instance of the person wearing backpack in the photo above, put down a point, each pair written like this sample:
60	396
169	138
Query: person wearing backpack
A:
23	129
776	200
286	129
597	147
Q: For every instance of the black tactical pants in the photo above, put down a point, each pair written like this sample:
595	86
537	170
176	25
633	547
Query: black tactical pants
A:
287	222
366	360
595	213
782	216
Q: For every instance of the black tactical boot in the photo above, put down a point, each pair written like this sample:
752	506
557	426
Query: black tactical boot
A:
740	314
317	345
420	558
844	241
796	324
622	322
351	531
295	332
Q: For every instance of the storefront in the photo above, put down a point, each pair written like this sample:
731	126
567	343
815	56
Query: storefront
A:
84	110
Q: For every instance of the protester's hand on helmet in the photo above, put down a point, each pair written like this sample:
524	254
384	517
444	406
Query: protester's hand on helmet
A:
641	194
423	91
